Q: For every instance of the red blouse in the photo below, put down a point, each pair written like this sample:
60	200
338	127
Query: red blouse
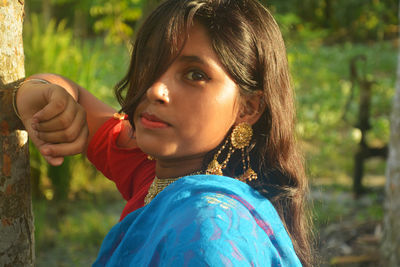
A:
129	169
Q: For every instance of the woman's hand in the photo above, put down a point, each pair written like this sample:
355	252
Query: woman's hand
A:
55	121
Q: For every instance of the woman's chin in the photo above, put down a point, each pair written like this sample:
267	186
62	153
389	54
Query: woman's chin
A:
157	151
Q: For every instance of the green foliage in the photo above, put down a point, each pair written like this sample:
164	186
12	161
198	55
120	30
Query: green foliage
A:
92	65
60	177
54	49
295	30
70	233
116	18
322	82
339	20
335	203
344	20
45	46
91	232
326	212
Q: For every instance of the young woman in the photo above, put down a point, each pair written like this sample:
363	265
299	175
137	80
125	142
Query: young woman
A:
206	155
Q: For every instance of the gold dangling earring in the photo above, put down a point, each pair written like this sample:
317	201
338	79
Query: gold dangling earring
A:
214	167
150	157
240	139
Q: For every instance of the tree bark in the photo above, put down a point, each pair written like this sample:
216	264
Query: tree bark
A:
391	238
16	220
80	23
46	11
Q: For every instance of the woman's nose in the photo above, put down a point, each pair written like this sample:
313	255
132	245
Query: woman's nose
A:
158	93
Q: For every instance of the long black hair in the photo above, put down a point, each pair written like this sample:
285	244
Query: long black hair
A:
248	43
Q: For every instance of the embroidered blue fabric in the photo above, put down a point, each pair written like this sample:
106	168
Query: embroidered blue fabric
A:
201	220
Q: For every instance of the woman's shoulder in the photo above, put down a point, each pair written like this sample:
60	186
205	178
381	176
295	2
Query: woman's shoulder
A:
204	220
219	195
206	198
228	220
211	190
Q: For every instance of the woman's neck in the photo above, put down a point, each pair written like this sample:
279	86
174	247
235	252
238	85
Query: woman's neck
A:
171	168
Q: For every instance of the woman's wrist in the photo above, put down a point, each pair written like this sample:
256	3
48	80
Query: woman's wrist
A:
15	91
71	87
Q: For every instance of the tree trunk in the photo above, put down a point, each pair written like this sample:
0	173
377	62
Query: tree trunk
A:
391	239
80	23
16	221
328	14
46	11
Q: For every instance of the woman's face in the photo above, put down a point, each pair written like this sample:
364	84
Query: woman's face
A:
188	111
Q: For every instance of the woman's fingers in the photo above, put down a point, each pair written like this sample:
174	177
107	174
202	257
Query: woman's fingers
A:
65	135
56	123
57	100
66	149
61	121
39	143
55	161
50	119
59	129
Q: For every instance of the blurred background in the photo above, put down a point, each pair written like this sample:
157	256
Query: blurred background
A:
342	55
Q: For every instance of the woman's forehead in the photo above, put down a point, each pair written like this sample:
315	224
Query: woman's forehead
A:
198	49
198	41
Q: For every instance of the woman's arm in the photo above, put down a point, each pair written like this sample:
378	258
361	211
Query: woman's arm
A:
62	117
97	112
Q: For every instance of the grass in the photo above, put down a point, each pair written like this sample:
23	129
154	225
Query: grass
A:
333	202
91	63
70	233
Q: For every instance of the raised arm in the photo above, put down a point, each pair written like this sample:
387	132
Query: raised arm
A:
61	117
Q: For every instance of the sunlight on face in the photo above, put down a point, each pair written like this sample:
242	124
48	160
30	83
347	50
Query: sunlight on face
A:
190	109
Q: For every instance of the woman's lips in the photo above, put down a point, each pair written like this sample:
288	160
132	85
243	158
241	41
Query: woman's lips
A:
152	121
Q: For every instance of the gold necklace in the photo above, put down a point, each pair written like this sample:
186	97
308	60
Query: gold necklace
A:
159	185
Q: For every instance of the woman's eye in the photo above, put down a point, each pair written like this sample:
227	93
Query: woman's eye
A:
195	75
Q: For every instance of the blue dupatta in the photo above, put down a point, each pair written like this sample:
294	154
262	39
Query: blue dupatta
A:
201	220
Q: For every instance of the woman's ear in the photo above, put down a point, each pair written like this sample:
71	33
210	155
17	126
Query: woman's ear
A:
251	108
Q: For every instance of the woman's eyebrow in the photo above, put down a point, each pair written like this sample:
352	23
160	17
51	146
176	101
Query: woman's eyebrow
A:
192	58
